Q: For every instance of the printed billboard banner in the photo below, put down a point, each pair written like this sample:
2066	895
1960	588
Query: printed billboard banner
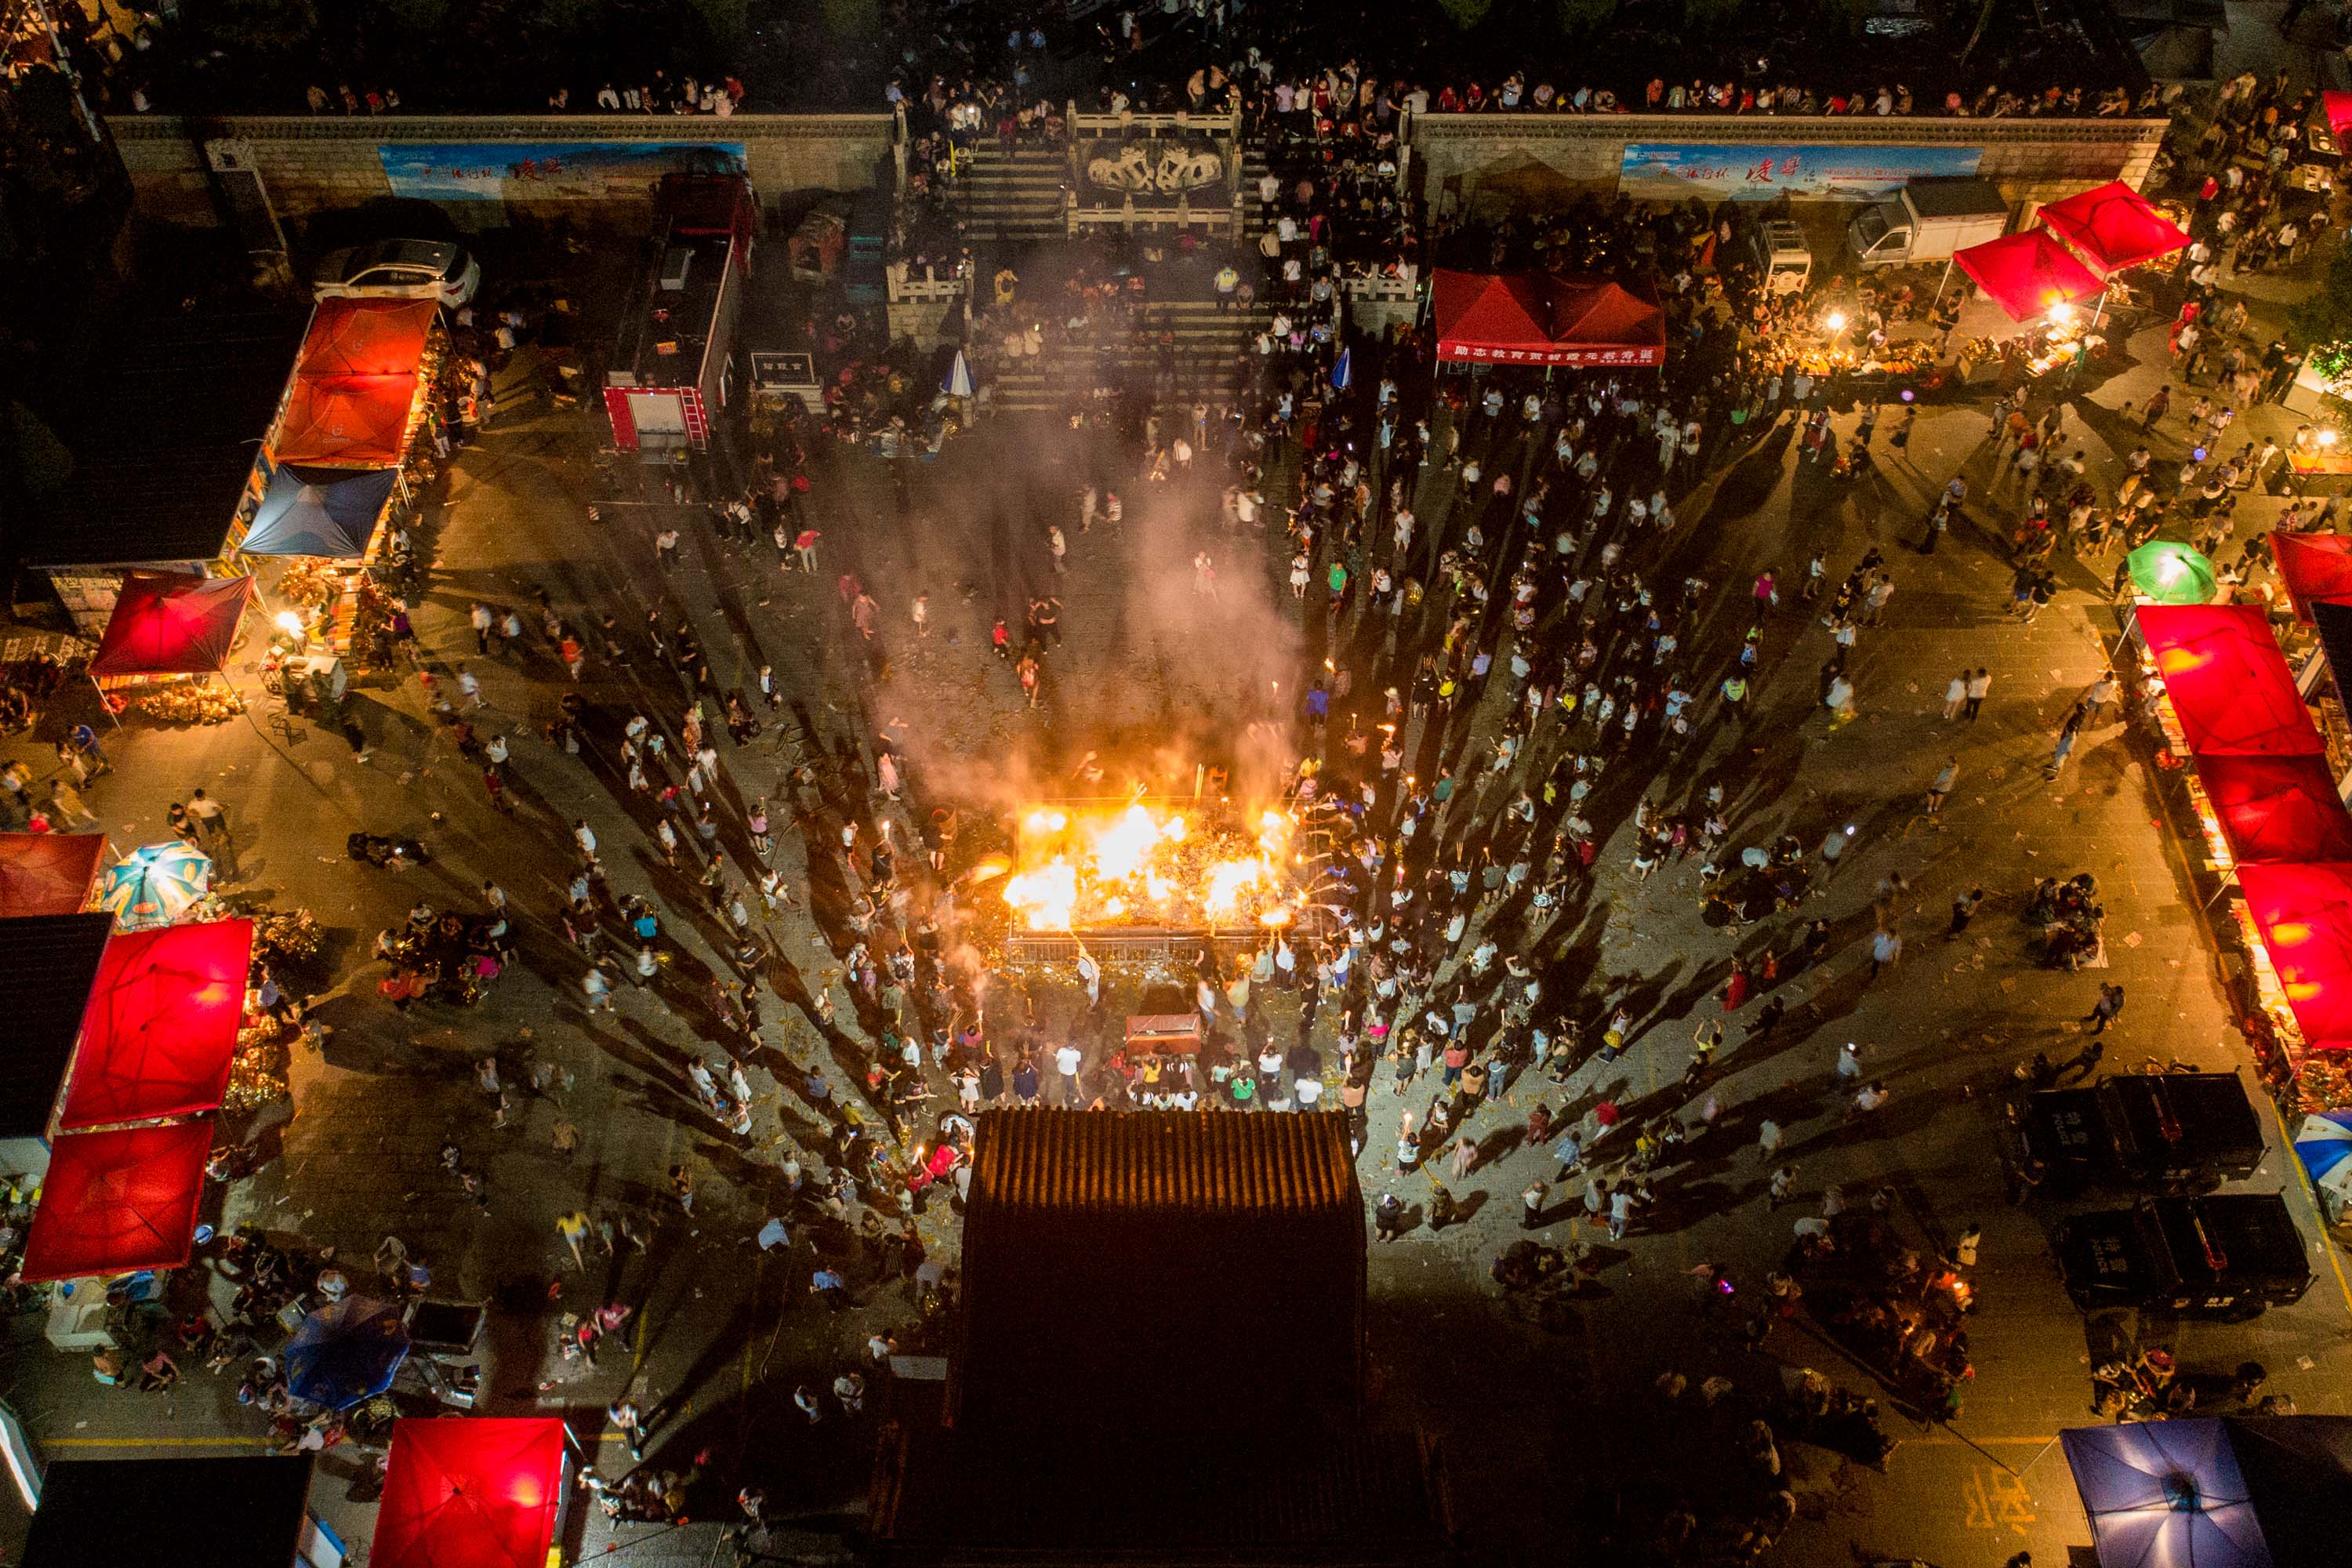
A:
1673	171
548	171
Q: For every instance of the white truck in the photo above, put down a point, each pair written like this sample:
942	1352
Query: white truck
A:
1926	221
1781	256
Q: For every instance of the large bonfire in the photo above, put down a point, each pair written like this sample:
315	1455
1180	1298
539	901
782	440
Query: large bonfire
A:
1077	868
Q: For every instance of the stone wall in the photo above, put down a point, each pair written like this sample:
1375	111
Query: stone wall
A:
309	165
1486	161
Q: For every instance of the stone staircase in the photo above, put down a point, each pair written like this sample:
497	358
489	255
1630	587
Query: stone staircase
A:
1207	344
1014	197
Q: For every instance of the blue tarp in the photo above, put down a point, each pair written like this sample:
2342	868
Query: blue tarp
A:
345	1352
319	511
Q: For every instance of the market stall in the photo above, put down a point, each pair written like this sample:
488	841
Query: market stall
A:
343	458
118	1201
2113	227
48	873
471	1493
2034	279
1538	319
2225	683
161	1027
2304	915
166	642
2314	567
2276	810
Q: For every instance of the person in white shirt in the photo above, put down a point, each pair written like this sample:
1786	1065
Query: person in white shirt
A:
1067	1061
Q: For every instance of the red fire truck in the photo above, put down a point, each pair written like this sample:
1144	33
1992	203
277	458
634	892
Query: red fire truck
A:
673	368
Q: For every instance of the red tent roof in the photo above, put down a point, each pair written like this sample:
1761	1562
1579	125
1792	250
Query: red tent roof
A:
2304	913
165	623
113	1202
2113	227
1534	318
366	337
346	421
2313	566
2228	680
161	1025
2277	810
2339	111
2027	273
470	1492
47	873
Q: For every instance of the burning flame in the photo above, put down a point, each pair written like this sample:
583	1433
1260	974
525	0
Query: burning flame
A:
1080	866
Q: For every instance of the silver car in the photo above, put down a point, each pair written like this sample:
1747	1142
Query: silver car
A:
400	269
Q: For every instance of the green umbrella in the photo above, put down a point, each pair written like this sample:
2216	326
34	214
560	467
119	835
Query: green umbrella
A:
2172	573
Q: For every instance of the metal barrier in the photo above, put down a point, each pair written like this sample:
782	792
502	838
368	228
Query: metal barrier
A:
1117	944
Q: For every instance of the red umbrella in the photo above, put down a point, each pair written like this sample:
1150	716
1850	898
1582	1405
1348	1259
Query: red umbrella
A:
470	1492
2113	227
2026	274
2304	915
113	1202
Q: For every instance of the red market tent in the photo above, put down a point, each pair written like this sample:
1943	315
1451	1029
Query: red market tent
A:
161	1025
113	1202
2277	810
346	421
2304	915
2313	566
2228	681
470	1492
2026	274
366	337
1534	318
165	623
2338	106
47	873
2113	227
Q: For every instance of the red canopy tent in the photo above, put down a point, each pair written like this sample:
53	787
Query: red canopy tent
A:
1534	318
469	1492
113	1202
161	1025
2026	274
166	623
2113	227
366	337
2228	680
2277	810
2304	915
2338	106
2313	566
47	873
346	421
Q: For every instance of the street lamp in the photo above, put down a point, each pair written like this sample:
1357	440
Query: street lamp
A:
2061	313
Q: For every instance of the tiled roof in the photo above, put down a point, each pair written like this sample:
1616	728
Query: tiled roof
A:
1039	1158
1100	1246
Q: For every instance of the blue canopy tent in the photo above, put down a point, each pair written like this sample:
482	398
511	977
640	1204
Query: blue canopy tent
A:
319	511
345	1352
2232	1493
2166	1494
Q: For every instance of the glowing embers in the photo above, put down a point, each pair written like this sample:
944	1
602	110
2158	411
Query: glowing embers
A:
1142	865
